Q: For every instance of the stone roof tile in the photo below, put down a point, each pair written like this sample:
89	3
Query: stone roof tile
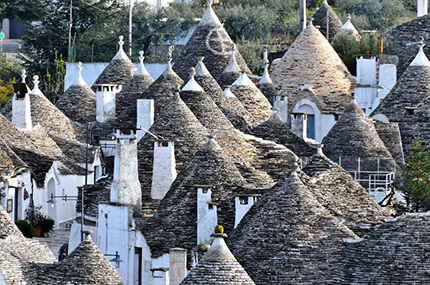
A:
320	19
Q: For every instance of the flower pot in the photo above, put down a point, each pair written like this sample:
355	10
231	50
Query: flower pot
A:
37	232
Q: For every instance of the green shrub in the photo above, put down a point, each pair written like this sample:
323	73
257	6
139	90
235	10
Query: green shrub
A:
25	227
46	223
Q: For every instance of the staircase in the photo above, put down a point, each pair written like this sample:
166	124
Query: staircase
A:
55	240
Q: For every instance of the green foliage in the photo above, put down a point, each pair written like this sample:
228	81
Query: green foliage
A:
25	227
26	10
252	52
416	178
9	70
348	47
37	219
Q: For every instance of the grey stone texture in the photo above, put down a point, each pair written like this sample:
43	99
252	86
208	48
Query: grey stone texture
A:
288	237
118	71
342	196
218	266
311	61
396	252
320	19
406	33
410	92
86	264
210	40
268	90
354	136
78	103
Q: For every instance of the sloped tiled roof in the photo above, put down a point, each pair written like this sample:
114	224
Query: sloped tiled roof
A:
311	61
20	256
406	34
119	70
342	196
288	237
218	266
78	102
174	223
86	264
389	133
252	98
233	110
175	123
396	252
354	136
410	92
320	19
276	130
211	41
127	97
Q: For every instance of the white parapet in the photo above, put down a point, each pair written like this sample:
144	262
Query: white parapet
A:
106	96
21	112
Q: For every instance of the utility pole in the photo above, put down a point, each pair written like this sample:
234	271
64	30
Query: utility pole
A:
130	23
302	14
70	31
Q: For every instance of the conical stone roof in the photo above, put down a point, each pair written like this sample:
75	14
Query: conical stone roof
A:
311	61
79	101
276	130
320	19
407	102
7	226
9	158
208	113
405	35
252	98
174	223
119	70
233	110
127	97
175	123
288	237
354	136
342	196
218	266
395	252
86	264
211	41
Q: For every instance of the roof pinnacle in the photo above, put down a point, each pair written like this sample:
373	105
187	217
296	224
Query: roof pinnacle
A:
23	75
36	89
232	65
121	54
421	58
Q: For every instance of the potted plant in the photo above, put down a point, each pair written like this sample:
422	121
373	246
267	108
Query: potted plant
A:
25	227
47	224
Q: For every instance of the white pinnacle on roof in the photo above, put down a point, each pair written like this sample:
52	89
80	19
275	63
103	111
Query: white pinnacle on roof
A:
201	69
420	59
23	75
36	90
243	80
192	84
265	79
121	54
232	65
348	26
228	93
79	81
141	70
169	62
210	18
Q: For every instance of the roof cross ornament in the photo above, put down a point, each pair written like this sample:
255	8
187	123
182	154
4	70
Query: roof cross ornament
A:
23	75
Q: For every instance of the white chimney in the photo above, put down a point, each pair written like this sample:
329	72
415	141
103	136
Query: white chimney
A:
206	215
164	168
126	187
145	116
178	265
21	105
280	103
106	94
242	206
302	15
299	125
422	7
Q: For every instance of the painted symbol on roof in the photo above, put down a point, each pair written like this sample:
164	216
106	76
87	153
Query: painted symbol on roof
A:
218	41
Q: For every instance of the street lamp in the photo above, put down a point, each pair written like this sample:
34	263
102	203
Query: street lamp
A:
117	259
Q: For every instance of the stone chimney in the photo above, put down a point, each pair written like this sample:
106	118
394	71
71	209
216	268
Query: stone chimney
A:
125	187
164	168
178	265
422	7
21	104
299	125
206	215
145	116
106	96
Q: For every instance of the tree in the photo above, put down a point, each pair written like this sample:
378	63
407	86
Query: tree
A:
26	10
416	177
